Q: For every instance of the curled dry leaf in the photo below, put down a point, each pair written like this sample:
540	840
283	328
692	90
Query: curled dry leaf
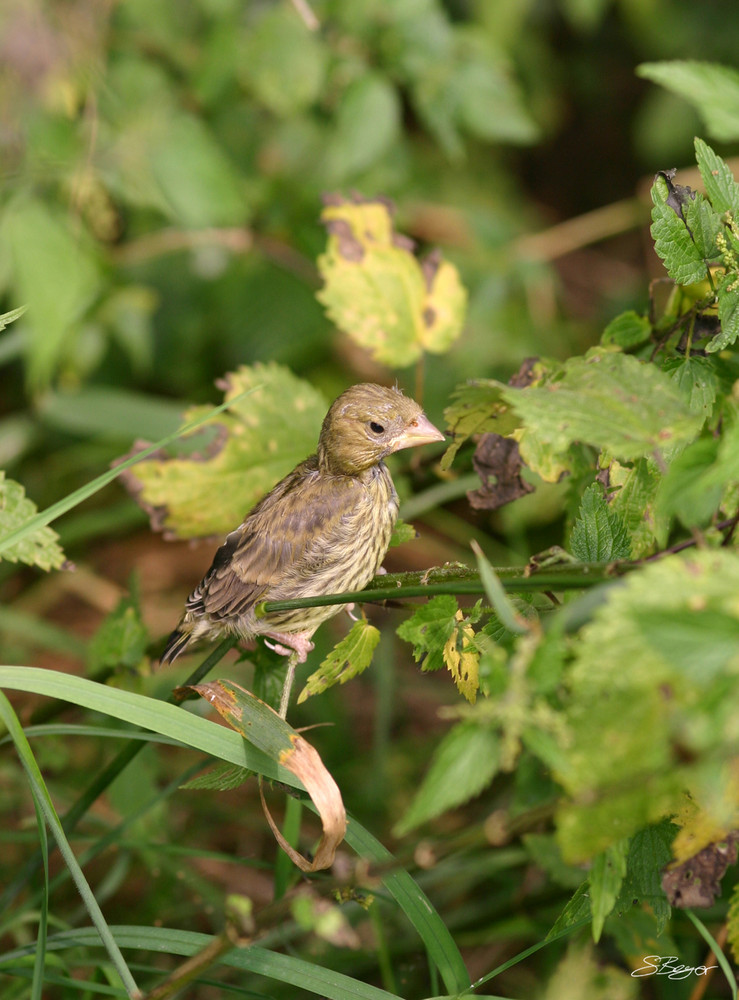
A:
697	881
262	726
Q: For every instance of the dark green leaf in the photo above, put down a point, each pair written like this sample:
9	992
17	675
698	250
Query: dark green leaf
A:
121	640
684	491
220	778
728	313
576	910
463	764
599	534
649	852
697	380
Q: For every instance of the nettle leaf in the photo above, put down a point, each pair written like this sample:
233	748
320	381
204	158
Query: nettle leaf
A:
682	256
121	640
709	87
39	548
429	629
347	660
633	495
379	293
258	441
718	180
464	763
477	408
697	380
650	850
728	313
606	399
402	533
629	329
599	533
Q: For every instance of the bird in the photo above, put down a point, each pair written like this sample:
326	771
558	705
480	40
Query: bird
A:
323	529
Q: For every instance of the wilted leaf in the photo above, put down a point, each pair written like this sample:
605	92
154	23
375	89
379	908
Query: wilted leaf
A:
464	763
260	439
497	461
347	660
379	293
607	399
599	534
263	727
463	659
697	881
40	547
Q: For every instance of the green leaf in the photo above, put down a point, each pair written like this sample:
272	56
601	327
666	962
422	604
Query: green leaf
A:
402	533
379	293
501	602
347	660
429	628
606	399
56	272
38	548
198	183
728	313
599	534
464	763
261	438
10	317
477	407
284	64
718	180
121	640
366	127
682	256
684	491
606	877
650	850
697	381
629	329
575	912
633	492
712	89
221	778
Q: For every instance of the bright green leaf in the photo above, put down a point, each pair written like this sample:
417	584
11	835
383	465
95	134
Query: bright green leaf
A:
728	313
683	258
10	317
57	273
40	547
684	491
697	380
347	660
599	534
379	293
607	399
629	329
464	763
633	492
402	533
711	88
718	180
606	877
429	628
260	439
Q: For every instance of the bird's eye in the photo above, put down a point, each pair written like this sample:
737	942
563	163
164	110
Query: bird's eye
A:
376	428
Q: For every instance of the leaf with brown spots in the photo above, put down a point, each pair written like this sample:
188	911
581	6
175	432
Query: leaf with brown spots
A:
378	292
257	441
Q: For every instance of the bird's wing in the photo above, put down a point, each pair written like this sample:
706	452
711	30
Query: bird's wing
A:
275	536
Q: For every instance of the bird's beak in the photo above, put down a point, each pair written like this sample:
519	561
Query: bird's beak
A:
420	431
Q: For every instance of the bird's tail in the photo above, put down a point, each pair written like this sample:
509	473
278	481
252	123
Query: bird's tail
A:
175	645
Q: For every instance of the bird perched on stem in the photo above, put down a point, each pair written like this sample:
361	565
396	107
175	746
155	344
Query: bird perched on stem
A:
323	529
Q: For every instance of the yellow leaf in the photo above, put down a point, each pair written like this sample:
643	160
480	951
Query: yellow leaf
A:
463	660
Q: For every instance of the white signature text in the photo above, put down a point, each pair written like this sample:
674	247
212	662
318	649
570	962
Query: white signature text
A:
668	965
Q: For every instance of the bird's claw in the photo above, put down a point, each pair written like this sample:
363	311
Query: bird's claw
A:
349	608
288	644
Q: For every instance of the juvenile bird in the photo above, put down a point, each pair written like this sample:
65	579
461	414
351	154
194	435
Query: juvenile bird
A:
323	529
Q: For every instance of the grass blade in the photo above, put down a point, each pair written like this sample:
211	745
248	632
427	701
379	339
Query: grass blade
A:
39	962
43	799
714	946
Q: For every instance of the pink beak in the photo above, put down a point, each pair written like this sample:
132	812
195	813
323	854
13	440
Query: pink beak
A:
419	431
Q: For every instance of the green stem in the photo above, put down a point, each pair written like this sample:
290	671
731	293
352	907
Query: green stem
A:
401	585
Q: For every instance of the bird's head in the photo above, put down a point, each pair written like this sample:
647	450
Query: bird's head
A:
368	422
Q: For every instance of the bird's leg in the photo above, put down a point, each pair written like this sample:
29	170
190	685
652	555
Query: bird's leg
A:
287	643
288	685
349	608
